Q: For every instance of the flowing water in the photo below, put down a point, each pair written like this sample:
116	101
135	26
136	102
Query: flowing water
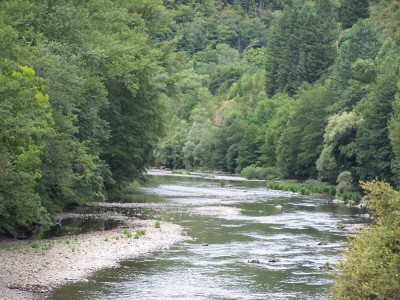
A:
292	237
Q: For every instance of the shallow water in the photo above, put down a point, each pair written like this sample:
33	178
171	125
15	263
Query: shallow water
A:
229	226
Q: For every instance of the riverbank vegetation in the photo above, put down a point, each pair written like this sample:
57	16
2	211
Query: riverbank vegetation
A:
82	93
371	266
286	89
305	188
93	93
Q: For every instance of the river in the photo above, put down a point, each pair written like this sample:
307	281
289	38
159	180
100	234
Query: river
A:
292	236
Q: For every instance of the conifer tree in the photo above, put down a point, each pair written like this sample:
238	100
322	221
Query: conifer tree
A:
353	10
374	150
301	46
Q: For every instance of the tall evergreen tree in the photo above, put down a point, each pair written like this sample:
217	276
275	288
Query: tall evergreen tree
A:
360	42
300	144
301	46
353	10
374	150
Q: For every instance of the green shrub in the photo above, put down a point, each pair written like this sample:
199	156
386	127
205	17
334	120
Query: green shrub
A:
327	266
345	182
372	263
177	172
128	233
139	233
47	246
355	196
306	188
157	224
36	245
249	172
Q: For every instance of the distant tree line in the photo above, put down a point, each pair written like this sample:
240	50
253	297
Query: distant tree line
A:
310	91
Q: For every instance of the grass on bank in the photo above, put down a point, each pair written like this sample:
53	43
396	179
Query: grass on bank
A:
343	191
139	233
314	187
306	188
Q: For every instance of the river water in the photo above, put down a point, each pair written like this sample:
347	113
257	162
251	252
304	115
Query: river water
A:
292	236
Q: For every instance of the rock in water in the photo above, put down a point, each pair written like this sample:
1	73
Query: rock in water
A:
254	261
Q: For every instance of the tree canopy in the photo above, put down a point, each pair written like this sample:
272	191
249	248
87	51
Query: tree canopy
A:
93	93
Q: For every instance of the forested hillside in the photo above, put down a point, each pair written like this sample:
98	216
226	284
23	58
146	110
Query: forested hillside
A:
286	89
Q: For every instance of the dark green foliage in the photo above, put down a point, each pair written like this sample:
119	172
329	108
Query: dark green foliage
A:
301	46
249	146
353	10
374	150
300	144
360	42
278	107
223	76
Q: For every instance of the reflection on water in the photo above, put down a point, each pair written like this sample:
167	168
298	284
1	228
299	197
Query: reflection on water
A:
292	236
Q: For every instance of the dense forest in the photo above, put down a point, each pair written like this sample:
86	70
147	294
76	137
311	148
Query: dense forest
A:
83	85
286	89
92	93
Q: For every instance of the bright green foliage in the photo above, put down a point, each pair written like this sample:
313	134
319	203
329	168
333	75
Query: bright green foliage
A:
227	139
305	188
139	233
353	10
170	151
277	107
189	84
248	91
260	173
198	141
25	123
339	151
71	171
88	86
88	115
371	266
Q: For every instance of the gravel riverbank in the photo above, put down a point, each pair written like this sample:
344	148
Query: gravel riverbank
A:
30	270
